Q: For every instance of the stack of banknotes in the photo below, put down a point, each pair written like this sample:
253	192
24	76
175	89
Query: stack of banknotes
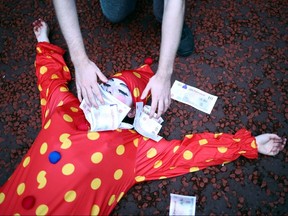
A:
146	126
106	117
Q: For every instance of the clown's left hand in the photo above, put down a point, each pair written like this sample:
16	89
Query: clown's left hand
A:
270	144
160	93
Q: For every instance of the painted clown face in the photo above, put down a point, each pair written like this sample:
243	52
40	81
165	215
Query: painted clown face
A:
119	90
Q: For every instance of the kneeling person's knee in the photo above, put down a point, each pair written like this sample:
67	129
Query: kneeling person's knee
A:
117	11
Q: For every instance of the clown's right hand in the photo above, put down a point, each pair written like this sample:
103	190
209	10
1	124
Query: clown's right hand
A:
86	74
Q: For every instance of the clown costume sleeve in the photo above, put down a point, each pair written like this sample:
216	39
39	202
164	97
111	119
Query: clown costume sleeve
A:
195	152
53	77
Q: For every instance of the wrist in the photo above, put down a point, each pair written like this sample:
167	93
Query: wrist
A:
78	59
165	71
166	65
164	74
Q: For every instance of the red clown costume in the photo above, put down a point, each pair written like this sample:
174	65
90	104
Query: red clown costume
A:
74	171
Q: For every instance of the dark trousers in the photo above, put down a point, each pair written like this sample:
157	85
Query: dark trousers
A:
117	10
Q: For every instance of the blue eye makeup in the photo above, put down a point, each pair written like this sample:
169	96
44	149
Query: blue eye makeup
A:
106	84
122	92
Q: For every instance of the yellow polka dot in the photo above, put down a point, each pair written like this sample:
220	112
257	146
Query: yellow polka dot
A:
95	210
39	50
203	141
162	177
111	200
157	164
42	210
43	148
43	70
139	178
188	155
118	174
48	57
173	167
119	130
60	103
189	136
74	109
253	144
237	140
151	153
40	88
66	142
132	131
216	135
136	92
242	152
70	196
68	169
145	138
209	160
67	118
95	183
26	161
46	113
54	76
194	169
64	89
175	149
2	198
47	92
65	68
136	142
120	196
21	189
96	157
222	149
93	135
117	74
120	150
137	74
47	124
41	179
226	162
43	102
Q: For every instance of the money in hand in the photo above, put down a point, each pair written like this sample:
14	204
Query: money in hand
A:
146	126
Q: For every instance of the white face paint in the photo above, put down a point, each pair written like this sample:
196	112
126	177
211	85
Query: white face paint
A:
119	90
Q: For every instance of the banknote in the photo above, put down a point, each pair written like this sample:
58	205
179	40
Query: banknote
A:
192	96
102	119
147	108
146	126
182	205
108	116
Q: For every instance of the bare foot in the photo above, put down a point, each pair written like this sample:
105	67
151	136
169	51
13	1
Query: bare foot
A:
270	144
41	30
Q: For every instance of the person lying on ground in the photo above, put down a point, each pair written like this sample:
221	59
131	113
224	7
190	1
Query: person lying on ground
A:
71	170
